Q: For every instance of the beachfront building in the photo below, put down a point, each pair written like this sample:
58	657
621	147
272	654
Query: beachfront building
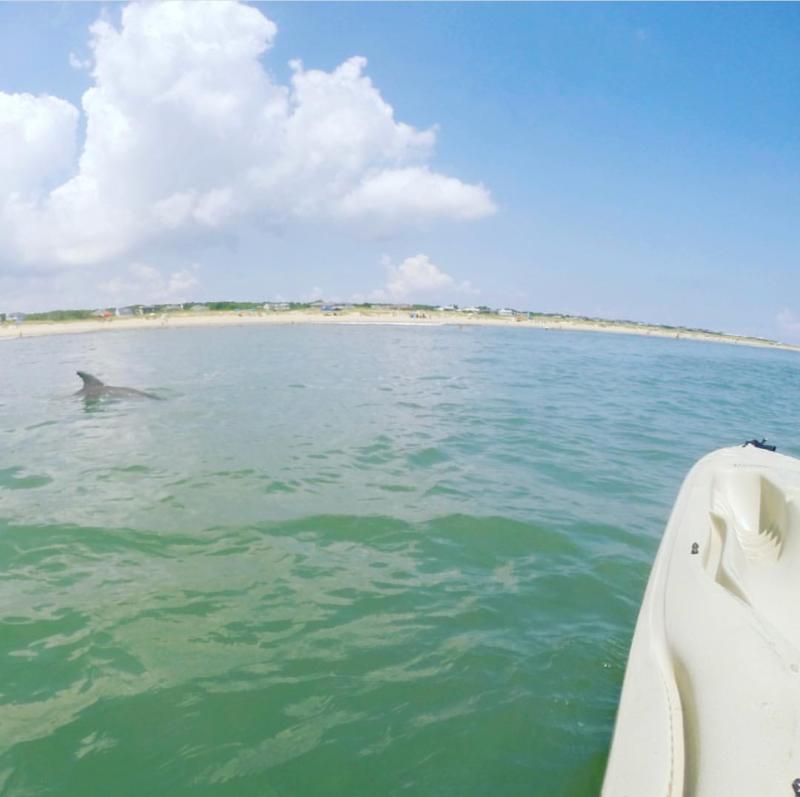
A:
15	317
276	306
506	311
199	308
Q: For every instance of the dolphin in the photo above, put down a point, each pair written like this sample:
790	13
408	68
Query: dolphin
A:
94	389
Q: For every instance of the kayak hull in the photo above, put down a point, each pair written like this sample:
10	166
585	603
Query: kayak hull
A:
710	703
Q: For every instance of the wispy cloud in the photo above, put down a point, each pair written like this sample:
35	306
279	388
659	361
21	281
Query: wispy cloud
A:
787	322
81	64
144	283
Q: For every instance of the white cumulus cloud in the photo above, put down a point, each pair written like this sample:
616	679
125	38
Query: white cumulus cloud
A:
37	142
187	132
417	278
417	194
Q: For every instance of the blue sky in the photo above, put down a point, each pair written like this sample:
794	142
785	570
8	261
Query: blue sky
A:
621	160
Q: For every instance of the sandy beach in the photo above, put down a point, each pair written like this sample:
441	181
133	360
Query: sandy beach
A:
10	331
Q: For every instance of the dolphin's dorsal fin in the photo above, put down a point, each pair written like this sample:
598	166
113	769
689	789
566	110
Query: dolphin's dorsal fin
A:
89	380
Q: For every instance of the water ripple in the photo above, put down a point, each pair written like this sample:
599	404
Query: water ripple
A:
342	561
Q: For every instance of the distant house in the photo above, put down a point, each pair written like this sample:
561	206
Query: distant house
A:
123	312
172	307
199	308
102	313
331	308
276	305
505	311
446	308
16	317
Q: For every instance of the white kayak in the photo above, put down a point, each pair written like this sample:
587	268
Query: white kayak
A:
710	704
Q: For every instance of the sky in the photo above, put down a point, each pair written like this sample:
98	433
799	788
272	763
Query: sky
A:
632	161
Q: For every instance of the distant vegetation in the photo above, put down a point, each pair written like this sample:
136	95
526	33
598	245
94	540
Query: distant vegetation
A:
234	305
60	315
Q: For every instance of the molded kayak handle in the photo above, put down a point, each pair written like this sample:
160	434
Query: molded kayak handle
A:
762	444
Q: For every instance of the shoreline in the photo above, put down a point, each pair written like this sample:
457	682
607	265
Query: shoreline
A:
361	318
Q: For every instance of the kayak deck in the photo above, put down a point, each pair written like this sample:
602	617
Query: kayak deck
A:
710	703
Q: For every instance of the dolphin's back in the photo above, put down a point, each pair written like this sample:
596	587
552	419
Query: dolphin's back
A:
93	388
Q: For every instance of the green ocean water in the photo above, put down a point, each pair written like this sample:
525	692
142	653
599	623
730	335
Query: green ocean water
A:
342	560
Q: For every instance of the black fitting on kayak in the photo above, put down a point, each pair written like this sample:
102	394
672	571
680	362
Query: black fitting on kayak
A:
796	786
762	444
